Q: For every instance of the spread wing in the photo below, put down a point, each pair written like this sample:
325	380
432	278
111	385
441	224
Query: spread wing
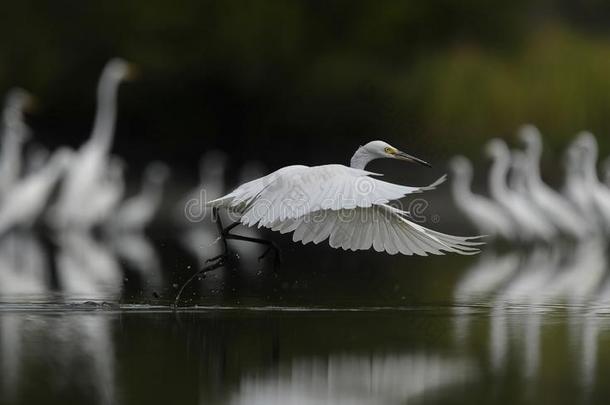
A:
296	191
382	227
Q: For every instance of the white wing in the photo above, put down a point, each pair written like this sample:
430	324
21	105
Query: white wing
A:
295	191
382	227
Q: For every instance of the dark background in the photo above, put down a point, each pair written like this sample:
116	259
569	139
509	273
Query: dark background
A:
308	81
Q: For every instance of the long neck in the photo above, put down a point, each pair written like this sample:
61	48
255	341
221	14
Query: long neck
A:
152	192
460	187
10	157
105	117
361	158
534	153
497	176
589	170
10	166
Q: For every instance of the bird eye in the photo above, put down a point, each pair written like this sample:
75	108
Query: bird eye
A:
388	150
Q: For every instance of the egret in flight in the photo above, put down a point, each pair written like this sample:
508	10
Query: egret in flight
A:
345	205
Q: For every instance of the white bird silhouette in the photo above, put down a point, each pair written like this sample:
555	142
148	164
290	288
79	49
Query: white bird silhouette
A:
531	225
342	204
28	198
135	213
201	233
555	208
599	193
490	218
576	188
14	134
90	165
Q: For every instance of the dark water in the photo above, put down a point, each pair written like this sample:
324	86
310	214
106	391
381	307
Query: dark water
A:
327	328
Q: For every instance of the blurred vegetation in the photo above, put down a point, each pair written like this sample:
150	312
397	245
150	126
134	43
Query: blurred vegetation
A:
247	76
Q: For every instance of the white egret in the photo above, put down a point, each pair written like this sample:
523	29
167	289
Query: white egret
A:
576	189
106	196
599	193
342	204
530	224
28	198
192	213
517	179
555	208
490	218
91	162
135	213
14	133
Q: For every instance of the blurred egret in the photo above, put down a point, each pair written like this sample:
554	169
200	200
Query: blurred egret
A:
14	133
598	192
28	198
91	162
490	218
530	224
193	213
137	212
551	204
575	188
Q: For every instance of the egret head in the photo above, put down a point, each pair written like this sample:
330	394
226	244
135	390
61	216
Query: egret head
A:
588	144
496	148
118	70
381	149
18	101
461	166
531	138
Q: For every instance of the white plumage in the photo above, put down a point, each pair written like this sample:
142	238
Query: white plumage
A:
490	218
342	204
551	204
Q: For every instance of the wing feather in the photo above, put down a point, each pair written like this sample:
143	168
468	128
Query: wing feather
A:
380	227
295	191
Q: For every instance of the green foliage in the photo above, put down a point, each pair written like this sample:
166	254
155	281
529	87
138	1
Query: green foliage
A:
442	74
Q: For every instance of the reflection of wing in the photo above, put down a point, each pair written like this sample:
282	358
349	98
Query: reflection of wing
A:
382	227
342	379
294	191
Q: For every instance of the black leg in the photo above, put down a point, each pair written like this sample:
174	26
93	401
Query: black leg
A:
220	262
271	246
223	259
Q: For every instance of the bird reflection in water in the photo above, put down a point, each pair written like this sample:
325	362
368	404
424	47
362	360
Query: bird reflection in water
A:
349	379
82	359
